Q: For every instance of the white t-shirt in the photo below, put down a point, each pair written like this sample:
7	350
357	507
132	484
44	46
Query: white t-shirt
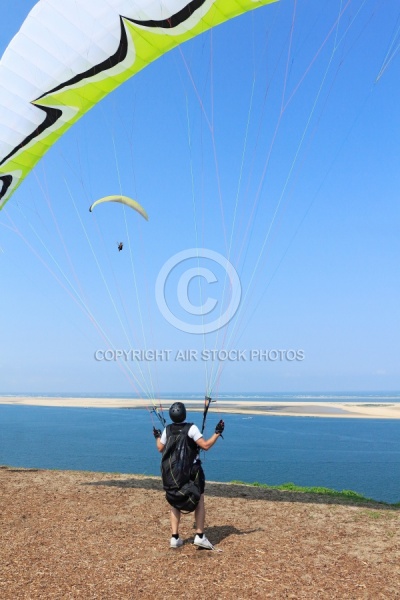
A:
194	433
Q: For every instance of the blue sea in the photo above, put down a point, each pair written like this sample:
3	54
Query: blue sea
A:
362	455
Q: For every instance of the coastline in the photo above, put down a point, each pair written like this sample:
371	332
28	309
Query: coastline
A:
359	410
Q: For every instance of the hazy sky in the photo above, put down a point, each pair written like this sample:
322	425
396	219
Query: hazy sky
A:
273	141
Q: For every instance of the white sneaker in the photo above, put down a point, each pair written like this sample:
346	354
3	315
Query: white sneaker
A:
176	543
203	542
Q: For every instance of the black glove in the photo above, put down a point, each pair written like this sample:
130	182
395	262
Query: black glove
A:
156	433
220	427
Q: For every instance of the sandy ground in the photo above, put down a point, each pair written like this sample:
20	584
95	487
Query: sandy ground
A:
70	535
365	410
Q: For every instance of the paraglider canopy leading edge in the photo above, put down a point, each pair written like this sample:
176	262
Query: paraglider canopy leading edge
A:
122	200
72	73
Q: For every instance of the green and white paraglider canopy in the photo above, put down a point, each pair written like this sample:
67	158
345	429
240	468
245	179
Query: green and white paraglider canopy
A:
69	55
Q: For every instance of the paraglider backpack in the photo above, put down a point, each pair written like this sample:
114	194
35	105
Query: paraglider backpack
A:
181	488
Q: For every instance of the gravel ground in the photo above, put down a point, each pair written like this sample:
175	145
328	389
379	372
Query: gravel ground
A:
94	535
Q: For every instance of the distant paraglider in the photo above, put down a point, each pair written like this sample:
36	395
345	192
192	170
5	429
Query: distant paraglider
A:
122	200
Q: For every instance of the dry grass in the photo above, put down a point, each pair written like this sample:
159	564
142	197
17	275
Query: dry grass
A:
93	535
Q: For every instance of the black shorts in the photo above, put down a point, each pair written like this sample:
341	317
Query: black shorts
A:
198	476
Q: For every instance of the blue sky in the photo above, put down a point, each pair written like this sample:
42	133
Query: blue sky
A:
297	185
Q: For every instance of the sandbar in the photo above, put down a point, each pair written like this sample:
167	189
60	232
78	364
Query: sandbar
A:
359	410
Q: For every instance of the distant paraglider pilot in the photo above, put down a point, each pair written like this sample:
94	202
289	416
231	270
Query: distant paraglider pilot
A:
120	246
182	474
